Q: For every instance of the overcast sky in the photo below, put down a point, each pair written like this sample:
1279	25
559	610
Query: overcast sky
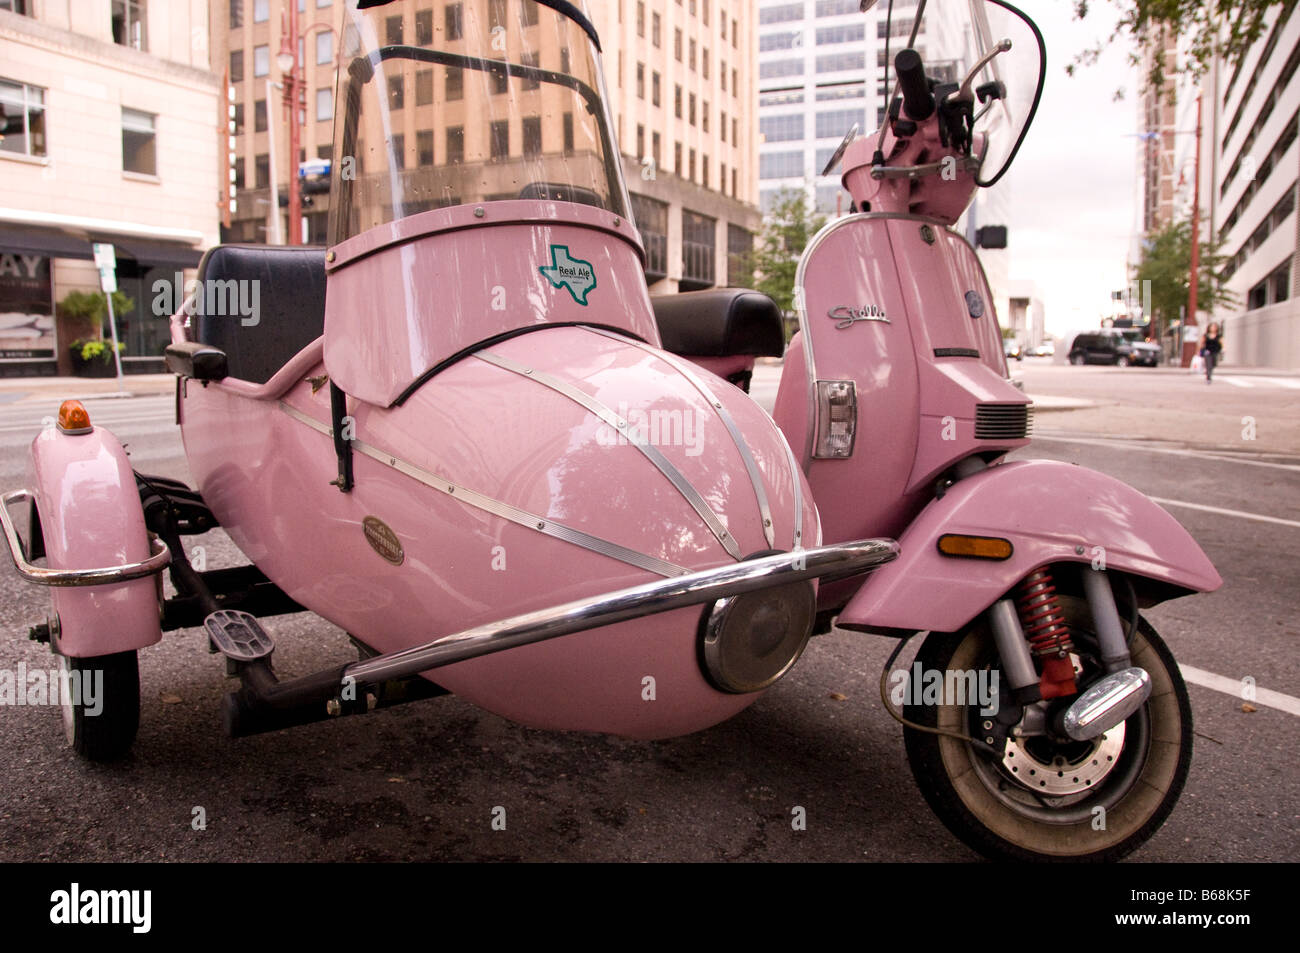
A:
1073	184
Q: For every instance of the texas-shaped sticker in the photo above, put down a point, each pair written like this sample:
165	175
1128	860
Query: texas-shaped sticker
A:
565	271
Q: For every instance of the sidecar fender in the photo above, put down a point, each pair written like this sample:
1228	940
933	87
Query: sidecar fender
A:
1051	512
90	517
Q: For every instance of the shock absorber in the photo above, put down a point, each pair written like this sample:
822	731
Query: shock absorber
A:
1047	632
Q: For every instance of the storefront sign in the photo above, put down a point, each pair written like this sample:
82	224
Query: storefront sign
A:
26	305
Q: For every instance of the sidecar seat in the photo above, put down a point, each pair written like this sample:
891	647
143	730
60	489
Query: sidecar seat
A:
289	298
720	322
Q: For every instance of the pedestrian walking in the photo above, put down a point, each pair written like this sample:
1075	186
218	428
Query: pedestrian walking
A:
1210	349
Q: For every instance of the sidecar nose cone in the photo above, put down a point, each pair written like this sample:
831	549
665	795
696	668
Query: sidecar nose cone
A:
751	640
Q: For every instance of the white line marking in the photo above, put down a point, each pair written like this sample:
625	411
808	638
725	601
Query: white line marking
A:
1237	382
1051	437
1239	514
1221	683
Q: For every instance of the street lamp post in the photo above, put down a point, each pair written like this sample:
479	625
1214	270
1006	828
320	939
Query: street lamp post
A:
287	60
1189	347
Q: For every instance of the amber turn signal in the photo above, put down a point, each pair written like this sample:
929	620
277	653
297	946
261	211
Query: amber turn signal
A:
976	547
73	417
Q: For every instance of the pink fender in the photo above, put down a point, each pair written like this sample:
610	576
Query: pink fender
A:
1052	512
91	517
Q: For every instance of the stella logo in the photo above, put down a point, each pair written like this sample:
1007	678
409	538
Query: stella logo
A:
565	271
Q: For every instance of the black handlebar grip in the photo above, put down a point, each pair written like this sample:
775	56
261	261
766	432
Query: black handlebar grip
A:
916	88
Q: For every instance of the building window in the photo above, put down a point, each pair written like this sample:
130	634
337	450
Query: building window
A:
775	68
640	141
677	159
784	13
455	145
565	65
704	171
831	199
740	244
656	33
393	30
704	62
782	128
497	13
530	13
568	134
677	45
691	115
261	61
651	219
735	179
847	33
22	118
398	149
722	68
533	60
838	62
452	22
129	24
500	139
262	172
239	173
722	125
239	118
654	89
722	177
424	87
236	66
396	92
834	8
424	148
324	48
691	168
837	123
261	11
704	116
236	14
259	116
640	81
423	27
690	56
139	147
699	250
455	83
780	165
532	135
324	105
640	18
655	143
677	101
735	131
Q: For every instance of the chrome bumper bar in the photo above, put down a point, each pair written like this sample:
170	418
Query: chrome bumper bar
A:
838	561
74	577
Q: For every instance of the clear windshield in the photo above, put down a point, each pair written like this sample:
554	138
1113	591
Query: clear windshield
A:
953	36
477	101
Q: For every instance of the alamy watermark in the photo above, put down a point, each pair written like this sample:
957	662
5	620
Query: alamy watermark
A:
924	686
21	686
655	428
231	298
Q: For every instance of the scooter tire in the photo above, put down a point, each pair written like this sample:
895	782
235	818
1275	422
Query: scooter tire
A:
105	734
981	802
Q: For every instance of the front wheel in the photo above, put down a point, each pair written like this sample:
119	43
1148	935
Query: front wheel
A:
1121	361
1076	359
100	697
1046	798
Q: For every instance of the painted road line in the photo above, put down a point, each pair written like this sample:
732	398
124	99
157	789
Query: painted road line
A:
1056	436
1237	382
1233	686
1237	514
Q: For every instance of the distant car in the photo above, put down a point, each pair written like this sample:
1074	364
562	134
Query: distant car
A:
1113	346
1043	350
1013	349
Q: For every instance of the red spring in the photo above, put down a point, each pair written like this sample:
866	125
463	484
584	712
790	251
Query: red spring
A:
1047	632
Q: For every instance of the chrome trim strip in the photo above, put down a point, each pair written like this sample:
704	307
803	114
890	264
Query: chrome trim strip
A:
751	465
697	588
798	493
504	510
620	426
75	577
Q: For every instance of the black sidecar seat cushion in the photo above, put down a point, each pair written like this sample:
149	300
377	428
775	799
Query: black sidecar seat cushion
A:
720	322
260	326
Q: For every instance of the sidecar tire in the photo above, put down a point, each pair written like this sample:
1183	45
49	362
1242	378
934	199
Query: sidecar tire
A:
1137	794
109	734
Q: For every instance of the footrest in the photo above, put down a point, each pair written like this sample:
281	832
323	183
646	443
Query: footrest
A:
238	635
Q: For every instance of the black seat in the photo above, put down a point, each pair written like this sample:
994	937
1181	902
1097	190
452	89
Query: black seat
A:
720	322
289	299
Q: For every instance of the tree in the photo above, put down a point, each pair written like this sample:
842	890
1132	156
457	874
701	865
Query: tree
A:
786	232
1167	264
1226	28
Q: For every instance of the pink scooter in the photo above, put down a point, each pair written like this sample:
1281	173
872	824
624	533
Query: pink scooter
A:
454	433
895	398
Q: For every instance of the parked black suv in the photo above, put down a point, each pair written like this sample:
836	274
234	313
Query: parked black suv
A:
1113	346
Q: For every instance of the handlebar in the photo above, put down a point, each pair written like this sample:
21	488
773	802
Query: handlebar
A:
917	97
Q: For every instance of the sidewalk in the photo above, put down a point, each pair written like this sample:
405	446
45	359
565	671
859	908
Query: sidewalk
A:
16	389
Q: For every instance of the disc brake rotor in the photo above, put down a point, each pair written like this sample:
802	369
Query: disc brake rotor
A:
1058	770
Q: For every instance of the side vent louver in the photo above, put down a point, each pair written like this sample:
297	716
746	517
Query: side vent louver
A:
1003	421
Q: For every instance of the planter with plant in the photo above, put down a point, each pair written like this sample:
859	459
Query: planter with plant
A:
81	318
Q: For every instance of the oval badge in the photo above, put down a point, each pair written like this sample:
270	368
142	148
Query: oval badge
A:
383	540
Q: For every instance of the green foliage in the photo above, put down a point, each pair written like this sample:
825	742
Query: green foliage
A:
1167	264
786	232
1225	28
95	349
93	305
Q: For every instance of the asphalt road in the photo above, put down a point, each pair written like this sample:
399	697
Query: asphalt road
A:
423	781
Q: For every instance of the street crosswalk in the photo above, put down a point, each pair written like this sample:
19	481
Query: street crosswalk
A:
1253	380
22	420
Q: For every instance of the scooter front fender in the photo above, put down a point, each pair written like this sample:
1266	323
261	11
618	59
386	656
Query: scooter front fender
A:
90	516
1051	512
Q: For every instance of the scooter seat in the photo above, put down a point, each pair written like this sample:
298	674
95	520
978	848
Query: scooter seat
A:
720	322
260	326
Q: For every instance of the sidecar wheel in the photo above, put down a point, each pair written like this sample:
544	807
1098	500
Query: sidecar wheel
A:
1134	773
105	729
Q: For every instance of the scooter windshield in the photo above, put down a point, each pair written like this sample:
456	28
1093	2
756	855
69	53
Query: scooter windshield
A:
471	102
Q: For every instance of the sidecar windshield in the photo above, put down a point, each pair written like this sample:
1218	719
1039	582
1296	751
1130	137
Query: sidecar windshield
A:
465	103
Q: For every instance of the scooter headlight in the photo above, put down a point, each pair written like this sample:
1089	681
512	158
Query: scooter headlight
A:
751	640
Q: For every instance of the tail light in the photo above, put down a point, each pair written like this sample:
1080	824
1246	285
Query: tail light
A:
837	419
